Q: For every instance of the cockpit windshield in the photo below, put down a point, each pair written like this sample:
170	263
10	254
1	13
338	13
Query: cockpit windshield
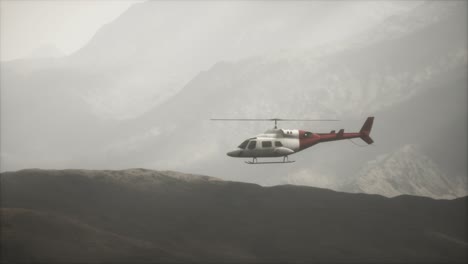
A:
244	144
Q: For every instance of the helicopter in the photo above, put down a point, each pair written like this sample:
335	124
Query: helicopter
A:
278	142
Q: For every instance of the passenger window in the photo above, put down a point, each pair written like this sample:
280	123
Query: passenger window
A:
278	144
244	144
252	144
266	144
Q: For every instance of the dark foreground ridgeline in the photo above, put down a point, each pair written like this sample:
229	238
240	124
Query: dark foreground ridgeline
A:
139	215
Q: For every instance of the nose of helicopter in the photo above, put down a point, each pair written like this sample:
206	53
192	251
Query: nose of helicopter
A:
234	153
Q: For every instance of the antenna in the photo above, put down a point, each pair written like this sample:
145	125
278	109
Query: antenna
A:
270	119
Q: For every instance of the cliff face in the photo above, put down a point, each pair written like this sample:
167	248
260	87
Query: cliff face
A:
407	171
139	215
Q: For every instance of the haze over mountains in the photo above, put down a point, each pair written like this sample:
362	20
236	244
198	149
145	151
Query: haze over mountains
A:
137	215
141	92
408	171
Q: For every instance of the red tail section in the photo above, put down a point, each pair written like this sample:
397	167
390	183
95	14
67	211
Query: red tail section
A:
308	139
366	129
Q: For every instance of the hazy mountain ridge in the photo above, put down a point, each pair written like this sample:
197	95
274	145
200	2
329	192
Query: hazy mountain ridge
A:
325	77
378	78
421	15
165	46
206	221
407	171
137	177
415	16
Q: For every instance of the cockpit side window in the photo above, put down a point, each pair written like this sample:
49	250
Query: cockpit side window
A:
244	144
307	134
278	144
252	144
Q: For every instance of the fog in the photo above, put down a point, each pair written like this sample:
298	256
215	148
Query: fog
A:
52	28
141	92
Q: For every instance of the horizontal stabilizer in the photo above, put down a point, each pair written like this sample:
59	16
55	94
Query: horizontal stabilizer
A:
367	139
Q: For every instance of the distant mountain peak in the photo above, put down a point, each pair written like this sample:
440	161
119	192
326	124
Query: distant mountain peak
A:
408	171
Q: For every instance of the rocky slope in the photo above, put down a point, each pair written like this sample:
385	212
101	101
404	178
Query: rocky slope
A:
139	216
407	171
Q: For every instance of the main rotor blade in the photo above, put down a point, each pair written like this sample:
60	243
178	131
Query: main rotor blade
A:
269	119
281	119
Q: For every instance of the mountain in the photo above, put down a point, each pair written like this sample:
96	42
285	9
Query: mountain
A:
414	82
140	215
407	68
407	171
154	49
75	107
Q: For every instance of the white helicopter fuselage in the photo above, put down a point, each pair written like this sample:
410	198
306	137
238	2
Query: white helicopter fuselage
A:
272	143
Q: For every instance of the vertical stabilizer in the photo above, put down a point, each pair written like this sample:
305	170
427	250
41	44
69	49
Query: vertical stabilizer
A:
366	129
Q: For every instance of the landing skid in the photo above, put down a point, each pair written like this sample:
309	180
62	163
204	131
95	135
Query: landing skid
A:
269	162
254	161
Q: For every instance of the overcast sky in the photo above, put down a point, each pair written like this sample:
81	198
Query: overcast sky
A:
29	27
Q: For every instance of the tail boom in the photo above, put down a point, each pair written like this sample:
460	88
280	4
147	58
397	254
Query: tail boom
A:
363	133
313	138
